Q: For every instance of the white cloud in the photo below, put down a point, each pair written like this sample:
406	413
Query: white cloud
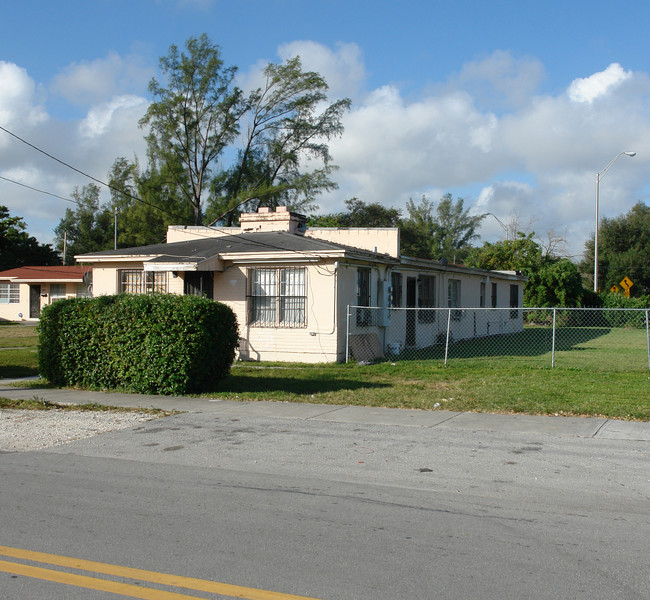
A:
488	135
109	130
392	149
90	82
587	89
501	79
342	68
18	101
101	118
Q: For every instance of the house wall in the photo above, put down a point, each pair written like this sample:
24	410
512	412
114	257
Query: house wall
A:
384	240
16	311
319	341
20	311
316	342
425	328
106	278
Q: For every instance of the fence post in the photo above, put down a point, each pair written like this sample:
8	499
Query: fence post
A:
448	331
347	336
553	348
647	333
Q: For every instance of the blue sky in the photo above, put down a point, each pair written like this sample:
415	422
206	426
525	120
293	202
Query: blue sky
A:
513	106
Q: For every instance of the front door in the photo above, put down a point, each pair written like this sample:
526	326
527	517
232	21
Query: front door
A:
34	301
411	286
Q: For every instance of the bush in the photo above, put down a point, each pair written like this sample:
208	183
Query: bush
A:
152	344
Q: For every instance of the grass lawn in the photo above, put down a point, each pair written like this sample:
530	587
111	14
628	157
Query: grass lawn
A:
599	372
507	386
18	350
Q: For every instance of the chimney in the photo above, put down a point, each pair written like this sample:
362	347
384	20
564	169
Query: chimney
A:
267	220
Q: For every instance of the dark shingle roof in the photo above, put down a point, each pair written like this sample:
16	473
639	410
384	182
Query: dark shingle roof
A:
203	248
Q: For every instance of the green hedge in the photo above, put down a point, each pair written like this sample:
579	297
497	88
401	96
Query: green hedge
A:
151	344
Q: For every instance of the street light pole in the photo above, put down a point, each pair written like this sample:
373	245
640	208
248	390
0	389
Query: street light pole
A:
599	176
505	229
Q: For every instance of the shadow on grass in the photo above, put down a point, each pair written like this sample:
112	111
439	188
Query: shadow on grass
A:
267	382
530	342
16	371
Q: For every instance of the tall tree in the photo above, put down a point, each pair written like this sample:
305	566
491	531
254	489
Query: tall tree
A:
288	120
624	250
359	214
87	228
445	234
18	248
194	116
552	281
147	203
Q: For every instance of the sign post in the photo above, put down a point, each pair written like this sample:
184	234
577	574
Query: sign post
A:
626	284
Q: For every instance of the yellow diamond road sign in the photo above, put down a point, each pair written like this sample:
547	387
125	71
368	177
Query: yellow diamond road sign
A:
626	283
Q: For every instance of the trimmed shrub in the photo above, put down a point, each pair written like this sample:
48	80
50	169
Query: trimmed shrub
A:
151	344
635	319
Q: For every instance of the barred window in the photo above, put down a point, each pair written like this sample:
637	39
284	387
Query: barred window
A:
494	295
134	281
396	290
426	298
57	291
481	302
364	315
278	297
9	293
453	298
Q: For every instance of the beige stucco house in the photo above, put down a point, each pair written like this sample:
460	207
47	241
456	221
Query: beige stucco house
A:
290	286
24	291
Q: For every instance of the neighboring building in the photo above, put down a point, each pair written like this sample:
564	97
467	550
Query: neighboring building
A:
24	291
290	286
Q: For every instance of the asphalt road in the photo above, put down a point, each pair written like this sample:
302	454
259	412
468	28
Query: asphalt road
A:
331	510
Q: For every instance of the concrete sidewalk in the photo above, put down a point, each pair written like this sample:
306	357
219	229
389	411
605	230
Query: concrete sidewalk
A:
591	427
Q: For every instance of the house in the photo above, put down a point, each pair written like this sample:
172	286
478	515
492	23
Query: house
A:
24	291
290	286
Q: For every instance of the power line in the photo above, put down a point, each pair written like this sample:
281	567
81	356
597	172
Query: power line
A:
29	187
108	185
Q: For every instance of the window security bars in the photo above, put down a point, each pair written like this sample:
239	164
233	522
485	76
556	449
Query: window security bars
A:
363	297
134	281
426	298
278	297
591	339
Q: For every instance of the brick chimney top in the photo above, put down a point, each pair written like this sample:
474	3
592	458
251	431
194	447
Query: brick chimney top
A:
265	219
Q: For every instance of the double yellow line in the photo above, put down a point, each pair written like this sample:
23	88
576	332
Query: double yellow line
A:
125	589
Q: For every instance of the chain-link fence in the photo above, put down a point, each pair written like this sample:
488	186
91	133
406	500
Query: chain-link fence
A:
603	339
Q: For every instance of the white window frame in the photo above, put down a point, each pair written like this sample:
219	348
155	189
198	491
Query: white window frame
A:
9	293
55	293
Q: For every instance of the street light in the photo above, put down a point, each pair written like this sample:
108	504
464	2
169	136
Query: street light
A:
599	176
500	223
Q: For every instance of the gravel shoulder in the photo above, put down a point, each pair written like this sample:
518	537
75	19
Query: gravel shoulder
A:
22	430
